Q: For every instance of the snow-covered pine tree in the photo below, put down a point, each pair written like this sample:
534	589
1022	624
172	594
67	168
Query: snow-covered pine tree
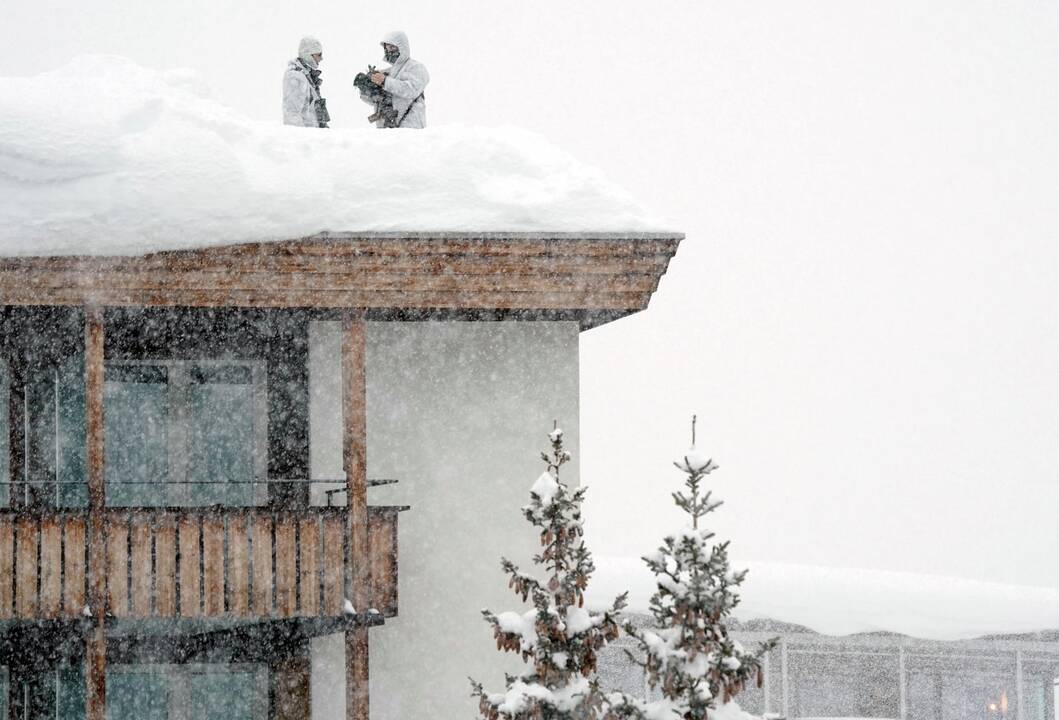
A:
688	653
559	638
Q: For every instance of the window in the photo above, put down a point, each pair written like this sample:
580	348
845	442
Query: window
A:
69	692
53	442
137	693
176	433
56	693
212	691
185	433
232	693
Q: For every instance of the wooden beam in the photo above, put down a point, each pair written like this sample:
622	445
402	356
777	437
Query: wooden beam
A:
403	245
165	564
261	541
452	279
577	273
140	544
213	565
96	643
238	566
308	566
358	649
73	566
310	297
96	673
118	565
26	537
286	553
383	542
290	680
652	261
7	567
334	531
190	565
51	564
354	462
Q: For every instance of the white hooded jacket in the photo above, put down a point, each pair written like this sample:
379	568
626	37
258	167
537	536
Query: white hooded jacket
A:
405	81
299	93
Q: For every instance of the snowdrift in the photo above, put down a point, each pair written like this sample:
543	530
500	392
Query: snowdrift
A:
103	156
837	601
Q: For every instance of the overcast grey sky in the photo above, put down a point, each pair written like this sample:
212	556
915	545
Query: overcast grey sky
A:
864	311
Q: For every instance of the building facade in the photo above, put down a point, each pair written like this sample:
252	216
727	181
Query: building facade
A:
188	441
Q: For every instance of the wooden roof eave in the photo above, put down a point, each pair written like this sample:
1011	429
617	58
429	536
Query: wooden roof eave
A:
591	277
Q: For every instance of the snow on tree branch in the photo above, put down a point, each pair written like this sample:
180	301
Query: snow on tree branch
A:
559	639
688	654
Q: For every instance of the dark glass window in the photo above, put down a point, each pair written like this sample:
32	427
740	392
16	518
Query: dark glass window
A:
136	430
187	692
137	694
220	434
53	450
185	433
5	454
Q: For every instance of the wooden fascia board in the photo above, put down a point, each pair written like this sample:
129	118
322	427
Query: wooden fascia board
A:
585	272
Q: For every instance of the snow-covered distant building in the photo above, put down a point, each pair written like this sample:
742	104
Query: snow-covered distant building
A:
863	643
199	391
882	675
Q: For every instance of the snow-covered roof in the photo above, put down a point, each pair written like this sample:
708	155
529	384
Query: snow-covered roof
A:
838	601
104	157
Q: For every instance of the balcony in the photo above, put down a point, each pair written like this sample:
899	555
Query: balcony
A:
211	562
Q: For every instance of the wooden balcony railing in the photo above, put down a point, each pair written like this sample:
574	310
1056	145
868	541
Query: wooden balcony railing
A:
194	563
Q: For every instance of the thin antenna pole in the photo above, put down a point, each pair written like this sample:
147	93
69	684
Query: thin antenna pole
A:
694	485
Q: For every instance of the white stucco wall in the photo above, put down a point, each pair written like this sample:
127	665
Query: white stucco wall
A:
459	412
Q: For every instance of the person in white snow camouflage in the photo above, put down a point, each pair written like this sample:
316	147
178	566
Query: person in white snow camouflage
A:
302	102
405	80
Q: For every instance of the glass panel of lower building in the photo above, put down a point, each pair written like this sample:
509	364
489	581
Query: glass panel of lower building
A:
137	693
229	695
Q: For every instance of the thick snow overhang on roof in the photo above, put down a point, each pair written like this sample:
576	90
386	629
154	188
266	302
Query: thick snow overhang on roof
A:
589	277
104	157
